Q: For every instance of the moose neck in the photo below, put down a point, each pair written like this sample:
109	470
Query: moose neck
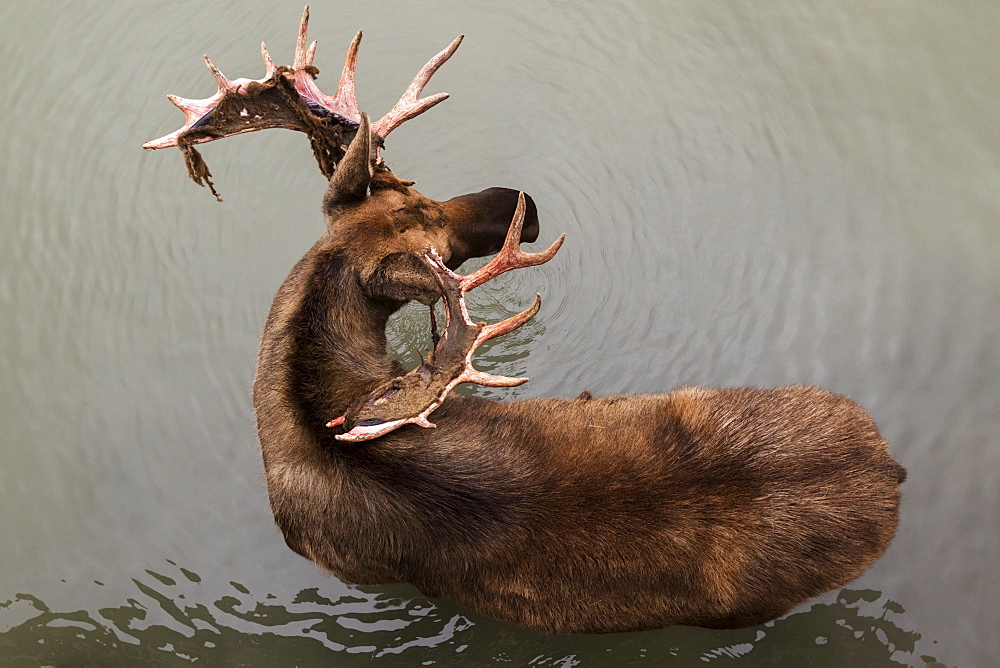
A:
324	342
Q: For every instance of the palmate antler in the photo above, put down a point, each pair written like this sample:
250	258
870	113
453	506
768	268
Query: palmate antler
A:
287	97
410	399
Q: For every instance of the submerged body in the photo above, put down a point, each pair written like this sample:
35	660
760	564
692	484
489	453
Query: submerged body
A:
717	508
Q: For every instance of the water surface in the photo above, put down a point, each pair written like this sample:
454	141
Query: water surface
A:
754	194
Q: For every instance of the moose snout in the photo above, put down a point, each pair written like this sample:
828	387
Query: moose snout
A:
481	221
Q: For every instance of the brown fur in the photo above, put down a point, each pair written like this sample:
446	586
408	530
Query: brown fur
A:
718	508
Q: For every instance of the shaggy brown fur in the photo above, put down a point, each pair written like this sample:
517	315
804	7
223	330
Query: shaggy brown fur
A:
717	508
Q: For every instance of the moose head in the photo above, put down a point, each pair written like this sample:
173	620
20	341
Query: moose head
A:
401	244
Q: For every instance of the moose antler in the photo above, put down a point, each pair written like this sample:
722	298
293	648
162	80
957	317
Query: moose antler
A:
410	399
287	97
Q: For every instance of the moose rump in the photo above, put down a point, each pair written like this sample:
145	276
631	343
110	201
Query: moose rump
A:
715	508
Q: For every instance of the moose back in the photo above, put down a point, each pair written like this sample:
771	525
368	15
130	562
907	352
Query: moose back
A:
712	507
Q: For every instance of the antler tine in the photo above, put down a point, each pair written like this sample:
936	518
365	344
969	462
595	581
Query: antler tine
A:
344	103
220	78
409	104
268	63
302	58
478	377
511	256
510	324
346	95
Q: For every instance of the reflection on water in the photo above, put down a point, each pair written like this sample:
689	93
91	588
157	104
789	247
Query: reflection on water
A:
169	620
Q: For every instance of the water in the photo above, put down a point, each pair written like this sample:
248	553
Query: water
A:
755	194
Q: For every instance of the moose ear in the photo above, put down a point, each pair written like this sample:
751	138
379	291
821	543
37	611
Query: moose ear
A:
403	276
352	176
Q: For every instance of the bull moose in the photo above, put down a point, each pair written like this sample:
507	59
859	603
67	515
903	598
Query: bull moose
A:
719	508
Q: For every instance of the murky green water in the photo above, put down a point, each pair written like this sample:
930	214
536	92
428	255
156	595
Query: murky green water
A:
754	193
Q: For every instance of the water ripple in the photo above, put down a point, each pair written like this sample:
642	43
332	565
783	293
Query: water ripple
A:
178	616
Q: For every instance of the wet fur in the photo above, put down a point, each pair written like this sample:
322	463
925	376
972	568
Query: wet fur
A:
717	508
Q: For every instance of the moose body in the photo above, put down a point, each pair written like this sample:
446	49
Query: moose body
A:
716	508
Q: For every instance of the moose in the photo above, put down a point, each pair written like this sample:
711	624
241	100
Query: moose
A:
719	508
